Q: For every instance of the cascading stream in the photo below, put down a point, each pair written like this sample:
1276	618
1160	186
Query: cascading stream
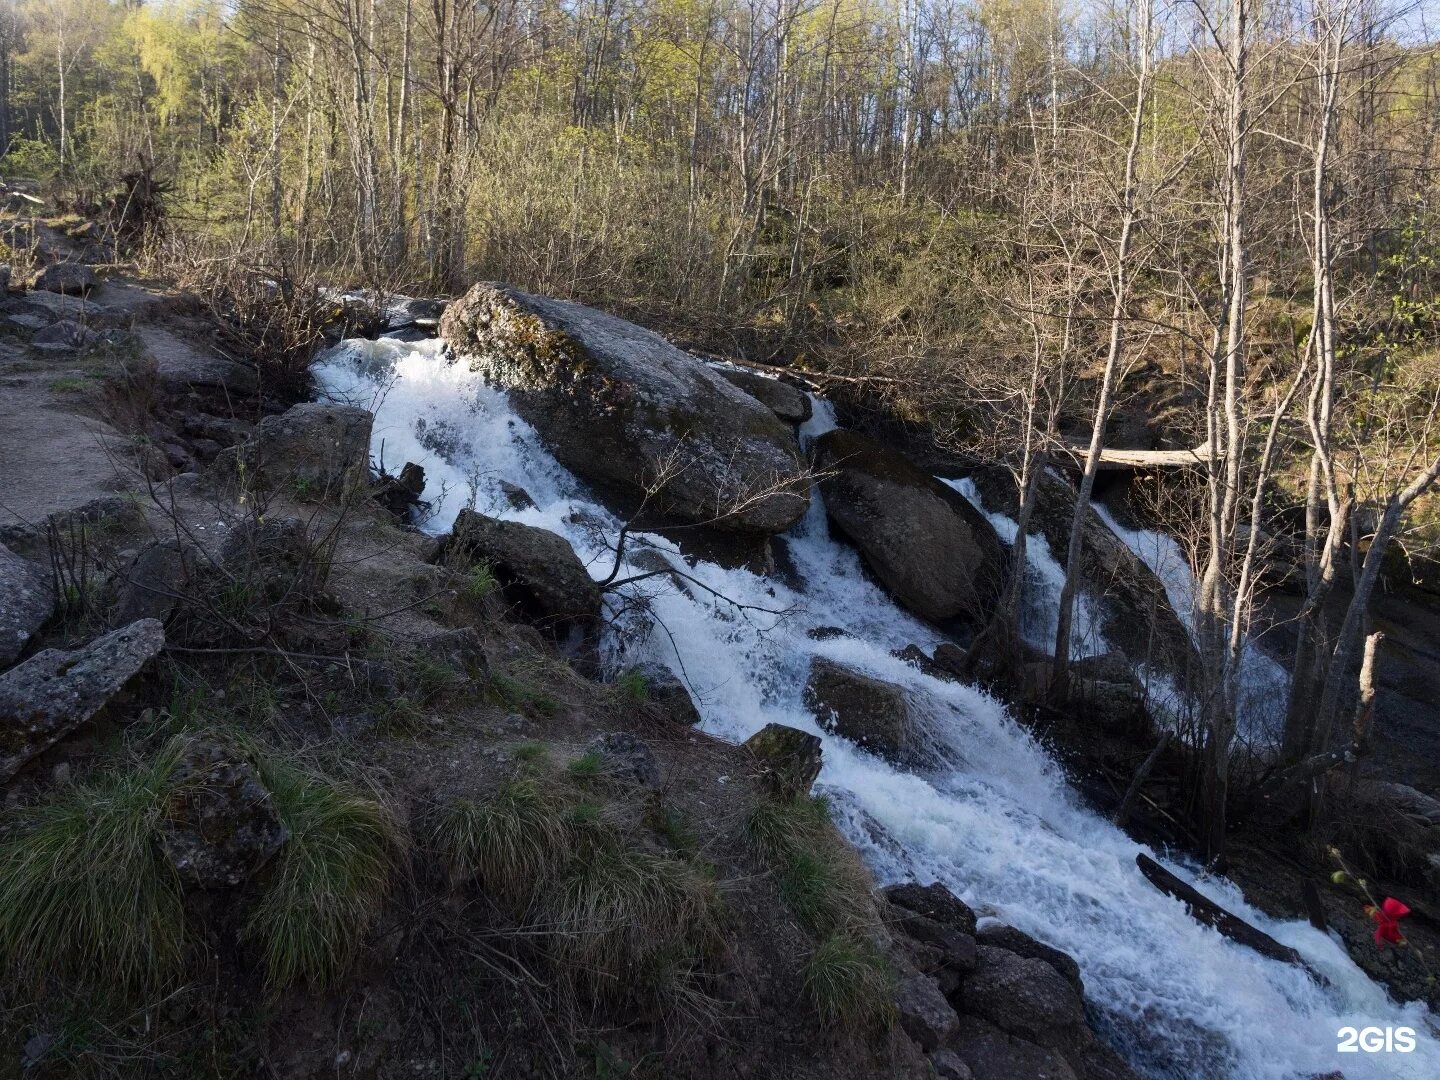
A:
994	818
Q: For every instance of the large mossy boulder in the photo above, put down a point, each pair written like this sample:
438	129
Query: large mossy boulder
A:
790	758
933	551
617	404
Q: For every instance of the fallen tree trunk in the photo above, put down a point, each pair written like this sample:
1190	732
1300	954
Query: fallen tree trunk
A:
1203	909
1114	459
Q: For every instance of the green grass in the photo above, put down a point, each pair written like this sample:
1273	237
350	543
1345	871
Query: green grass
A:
818	877
330	878
508	842
633	687
479	583
850	984
84	890
71	384
585	767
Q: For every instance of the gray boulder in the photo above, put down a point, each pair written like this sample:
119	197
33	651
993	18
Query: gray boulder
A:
933	551
539	574
948	1066
55	691
154	582
664	690
73	279
934	901
993	1054
316	449
788	403
1015	941
25	603
924	1013
614	401
868	712
1024	996
626	758
220	825
67	335
789	756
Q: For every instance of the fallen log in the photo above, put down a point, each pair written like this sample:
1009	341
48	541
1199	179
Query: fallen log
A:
1114	459
1204	910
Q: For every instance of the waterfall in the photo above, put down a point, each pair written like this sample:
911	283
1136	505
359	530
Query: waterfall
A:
994	818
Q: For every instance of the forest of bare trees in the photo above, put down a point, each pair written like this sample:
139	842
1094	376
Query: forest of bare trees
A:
1017	220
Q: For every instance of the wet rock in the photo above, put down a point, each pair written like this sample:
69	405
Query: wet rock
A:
993	1054
25	603
1023	996
315	450
956	948
539	574
934	901
67	335
787	402
933	551
613	401
1022	944
55	691
866	711
73	279
516	496
154	583
626	758
924	1013
220	824
791	757
664	689
948	1066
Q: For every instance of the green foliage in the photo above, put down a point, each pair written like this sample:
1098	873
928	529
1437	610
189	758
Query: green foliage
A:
330	878
479	583
586	766
850	983
84	890
632	686
509	842
819	878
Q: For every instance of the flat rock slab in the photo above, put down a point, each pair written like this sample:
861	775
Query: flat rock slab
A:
25	603
55	691
54	460
181	365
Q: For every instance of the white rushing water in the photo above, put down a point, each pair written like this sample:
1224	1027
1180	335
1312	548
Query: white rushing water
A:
994	818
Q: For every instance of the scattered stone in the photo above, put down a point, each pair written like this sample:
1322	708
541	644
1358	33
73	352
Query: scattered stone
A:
934	901
824	633
55	691
316	449
948	1066
25	603
791	757
868	712
612	400
934	552
1020	943
154	583
627	758
67	335
516	496
924	1013
993	1054
1023	996
539	573
787	402
664	689
72	279
220	824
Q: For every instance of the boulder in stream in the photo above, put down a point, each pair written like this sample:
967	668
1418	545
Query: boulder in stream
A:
789	756
868	712
617	404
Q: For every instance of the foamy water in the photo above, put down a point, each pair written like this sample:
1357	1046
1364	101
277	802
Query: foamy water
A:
994	818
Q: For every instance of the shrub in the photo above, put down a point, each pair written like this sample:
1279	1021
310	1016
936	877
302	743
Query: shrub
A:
330	877
819	879
84	890
509	842
850	983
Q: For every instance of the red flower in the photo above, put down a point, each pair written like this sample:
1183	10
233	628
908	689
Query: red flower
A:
1387	921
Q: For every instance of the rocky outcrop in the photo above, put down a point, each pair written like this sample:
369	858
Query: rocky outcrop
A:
55	691
789	758
220	825
154	583
868	712
615	403
314	450
25	603
67	335
1018	1004
1401	826
933	551
788	403
73	279
539	574
665	691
